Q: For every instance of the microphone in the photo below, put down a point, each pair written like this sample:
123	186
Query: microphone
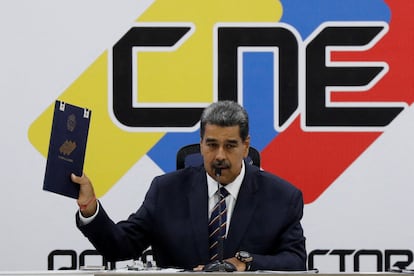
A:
217	172
219	265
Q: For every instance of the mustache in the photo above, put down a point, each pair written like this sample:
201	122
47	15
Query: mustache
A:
222	164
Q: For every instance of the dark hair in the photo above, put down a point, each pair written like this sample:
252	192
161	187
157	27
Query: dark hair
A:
224	114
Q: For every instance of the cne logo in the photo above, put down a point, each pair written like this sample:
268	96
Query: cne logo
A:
318	92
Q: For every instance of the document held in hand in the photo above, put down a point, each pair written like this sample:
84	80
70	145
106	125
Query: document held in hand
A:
67	148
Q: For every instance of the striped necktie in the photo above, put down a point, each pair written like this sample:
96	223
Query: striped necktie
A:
217	225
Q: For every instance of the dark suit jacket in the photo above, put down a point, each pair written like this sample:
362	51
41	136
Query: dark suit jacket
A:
173	220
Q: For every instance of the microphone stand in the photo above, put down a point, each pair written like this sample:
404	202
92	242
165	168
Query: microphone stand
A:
219	265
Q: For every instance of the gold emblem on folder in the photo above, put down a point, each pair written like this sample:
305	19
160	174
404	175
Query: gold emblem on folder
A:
67	147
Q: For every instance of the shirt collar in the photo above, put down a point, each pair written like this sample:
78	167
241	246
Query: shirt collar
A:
233	188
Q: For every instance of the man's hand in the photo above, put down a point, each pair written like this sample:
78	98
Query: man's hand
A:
240	266
87	199
198	268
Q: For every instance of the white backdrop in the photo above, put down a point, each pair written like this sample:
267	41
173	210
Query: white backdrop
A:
46	45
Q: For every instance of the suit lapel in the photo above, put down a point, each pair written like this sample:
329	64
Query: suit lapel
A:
198	206
243	211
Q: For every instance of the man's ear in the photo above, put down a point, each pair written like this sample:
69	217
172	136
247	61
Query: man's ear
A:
201	145
247	145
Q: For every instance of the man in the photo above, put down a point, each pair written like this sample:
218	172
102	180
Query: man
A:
262	214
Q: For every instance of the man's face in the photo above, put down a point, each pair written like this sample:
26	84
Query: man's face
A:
222	147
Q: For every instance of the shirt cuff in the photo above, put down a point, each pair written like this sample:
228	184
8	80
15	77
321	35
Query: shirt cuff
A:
84	220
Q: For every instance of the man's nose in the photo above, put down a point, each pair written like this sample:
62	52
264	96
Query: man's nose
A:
221	155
